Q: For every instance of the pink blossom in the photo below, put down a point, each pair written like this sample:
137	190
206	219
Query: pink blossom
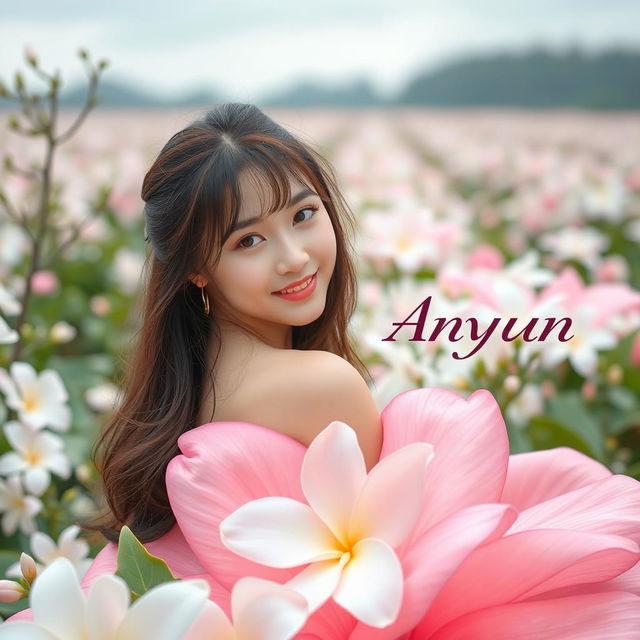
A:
485	256
612	269
44	282
605	300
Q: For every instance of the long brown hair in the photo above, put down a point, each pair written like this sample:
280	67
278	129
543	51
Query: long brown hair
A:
192	200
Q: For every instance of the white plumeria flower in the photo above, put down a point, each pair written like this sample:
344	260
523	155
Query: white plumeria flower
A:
46	551
261	610
40	400
61	611
18	509
7	334
348	530
103	397
526	272
62	332
8	303
582	349
606	199
528	403
585	245
37	453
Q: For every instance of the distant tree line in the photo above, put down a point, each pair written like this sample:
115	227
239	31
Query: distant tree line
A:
534	79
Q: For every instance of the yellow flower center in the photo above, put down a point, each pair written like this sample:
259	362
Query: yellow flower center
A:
32	457
30	402
403	243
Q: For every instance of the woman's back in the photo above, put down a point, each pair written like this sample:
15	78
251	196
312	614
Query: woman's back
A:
292	391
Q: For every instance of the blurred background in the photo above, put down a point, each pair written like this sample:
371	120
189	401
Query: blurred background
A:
560	53
489	150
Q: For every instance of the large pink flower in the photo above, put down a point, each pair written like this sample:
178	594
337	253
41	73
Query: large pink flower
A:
493	532
540	545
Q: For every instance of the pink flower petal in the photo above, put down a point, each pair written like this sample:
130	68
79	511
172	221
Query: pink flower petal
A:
223	466
392	496
431	561
536	476
597	616
469	438
626	581
527	564
333	473
609	506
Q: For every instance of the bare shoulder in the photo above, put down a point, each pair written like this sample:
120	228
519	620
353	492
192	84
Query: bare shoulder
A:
303	391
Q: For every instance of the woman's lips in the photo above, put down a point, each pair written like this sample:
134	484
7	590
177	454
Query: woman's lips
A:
303	293
296	283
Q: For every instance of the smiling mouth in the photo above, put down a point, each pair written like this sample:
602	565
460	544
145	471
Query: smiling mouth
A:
298	287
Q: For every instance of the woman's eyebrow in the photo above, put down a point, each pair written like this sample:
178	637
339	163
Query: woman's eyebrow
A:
301	195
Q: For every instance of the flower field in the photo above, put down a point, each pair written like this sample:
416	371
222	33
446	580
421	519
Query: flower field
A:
496	218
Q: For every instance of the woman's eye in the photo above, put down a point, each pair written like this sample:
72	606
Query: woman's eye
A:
248	246
313	212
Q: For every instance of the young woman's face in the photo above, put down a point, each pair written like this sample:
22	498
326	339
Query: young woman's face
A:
273	253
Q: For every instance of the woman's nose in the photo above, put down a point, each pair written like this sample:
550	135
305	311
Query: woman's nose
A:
293	256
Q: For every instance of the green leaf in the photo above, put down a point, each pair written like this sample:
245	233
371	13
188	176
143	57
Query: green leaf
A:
137	567
546	433
621	423
568	410
622	398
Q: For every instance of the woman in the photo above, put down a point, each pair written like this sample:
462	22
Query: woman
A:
237	210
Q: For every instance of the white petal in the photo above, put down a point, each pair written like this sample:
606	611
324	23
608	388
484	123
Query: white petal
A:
59	417
318	581
391	499
36	480
19	436
32	506
9	522
332	475
57	601
13	571
25	377
107	605
12	462
371	586
70	545
59	464
20	630
211	623
43	547
7	334
50	442
36	419
278	532
264	610
52	388
584	361
8	387
165	612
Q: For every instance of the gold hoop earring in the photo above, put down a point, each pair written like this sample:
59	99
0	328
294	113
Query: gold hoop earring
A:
205	301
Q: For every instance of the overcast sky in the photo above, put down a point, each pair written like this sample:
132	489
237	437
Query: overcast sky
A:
248	48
